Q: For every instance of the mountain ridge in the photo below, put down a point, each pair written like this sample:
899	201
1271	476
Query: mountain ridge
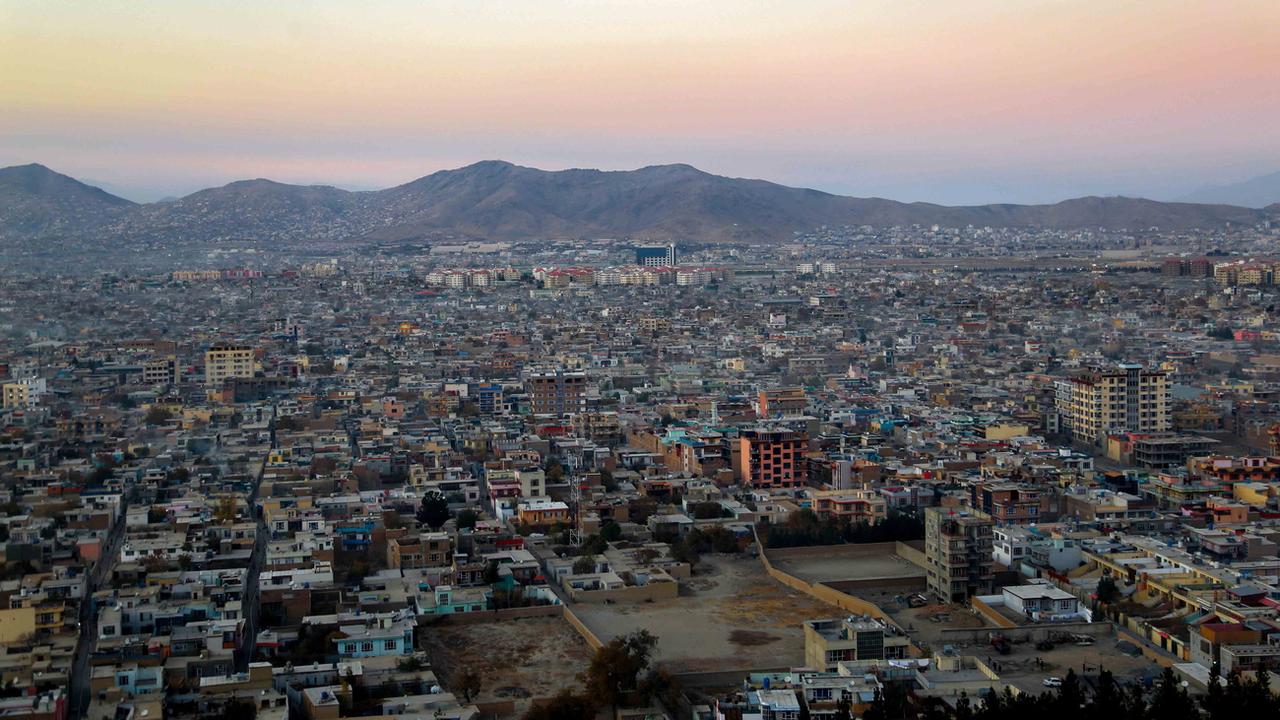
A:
1258	192
496	199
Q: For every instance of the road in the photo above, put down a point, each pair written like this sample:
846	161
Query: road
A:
88	617
249	604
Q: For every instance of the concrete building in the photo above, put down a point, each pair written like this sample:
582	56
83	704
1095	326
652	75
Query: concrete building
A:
1126	399
770	458
228	361
656	255
557	393
827	643
957	552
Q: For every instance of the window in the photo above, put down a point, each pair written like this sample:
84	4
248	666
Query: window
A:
389	645
366	646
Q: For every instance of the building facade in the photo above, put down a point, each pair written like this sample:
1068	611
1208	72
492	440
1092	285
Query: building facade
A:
957	548
1129	398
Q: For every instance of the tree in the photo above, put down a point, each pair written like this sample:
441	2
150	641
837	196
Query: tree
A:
1171	701
467	518
468	684
584	565
611	531
566	705
616	667
555	471
434	511
490	572
1108	591
157	415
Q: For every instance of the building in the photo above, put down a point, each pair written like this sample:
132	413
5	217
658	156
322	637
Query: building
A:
1126	399
17	396
227	361
557	393
1041	601
827	643
781	401
957	548
770	458
160	371
656	255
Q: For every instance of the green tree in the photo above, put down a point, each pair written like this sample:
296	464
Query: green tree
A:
467	518
434	511
1108	590
611	531
615	670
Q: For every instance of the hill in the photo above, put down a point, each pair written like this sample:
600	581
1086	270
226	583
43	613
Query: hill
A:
35	200
499	200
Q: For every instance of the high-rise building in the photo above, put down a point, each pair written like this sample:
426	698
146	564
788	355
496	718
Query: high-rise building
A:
228	361
656	255
957	549
557	393
1128	398
770	458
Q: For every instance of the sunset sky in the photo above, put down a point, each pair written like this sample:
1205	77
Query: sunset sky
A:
955	101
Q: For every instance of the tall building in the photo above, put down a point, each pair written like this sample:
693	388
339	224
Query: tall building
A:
16	396
1128	398
557	393
656	255
957	549
770	458
228	361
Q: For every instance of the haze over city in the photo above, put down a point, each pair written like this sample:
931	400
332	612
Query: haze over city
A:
956	102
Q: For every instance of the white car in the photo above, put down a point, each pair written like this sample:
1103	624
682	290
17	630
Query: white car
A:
1053	682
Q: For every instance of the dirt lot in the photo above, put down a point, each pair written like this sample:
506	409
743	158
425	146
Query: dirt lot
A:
1019	667
843	562
925	624
519	659
729	615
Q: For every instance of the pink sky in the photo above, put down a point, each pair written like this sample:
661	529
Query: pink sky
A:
946	100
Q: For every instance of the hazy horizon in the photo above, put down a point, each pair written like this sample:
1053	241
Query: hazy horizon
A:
965	102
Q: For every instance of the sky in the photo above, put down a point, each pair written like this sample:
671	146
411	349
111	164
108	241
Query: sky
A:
953	101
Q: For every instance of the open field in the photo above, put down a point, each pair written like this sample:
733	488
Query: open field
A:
518	659
729	615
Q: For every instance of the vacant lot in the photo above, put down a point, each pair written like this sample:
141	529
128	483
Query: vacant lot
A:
517	659
730	615
844	562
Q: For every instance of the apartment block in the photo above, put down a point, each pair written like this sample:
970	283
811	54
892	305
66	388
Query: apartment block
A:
770	458
557	393
957	548
222	362
1128	398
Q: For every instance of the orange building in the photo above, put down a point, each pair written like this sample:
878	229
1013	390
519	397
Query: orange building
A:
770	458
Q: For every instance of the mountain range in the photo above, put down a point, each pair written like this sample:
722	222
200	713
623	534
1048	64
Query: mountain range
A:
499	200
1258	192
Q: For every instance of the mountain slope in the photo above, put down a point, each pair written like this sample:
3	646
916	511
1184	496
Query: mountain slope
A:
498	200
1258	192
36	200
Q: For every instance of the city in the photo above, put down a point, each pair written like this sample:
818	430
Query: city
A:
639	360
440	485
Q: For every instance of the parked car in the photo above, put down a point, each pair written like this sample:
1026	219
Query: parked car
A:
1053	682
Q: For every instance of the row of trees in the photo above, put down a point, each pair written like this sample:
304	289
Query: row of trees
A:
804	528
1168	700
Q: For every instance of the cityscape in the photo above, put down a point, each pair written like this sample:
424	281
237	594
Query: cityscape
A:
505	442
